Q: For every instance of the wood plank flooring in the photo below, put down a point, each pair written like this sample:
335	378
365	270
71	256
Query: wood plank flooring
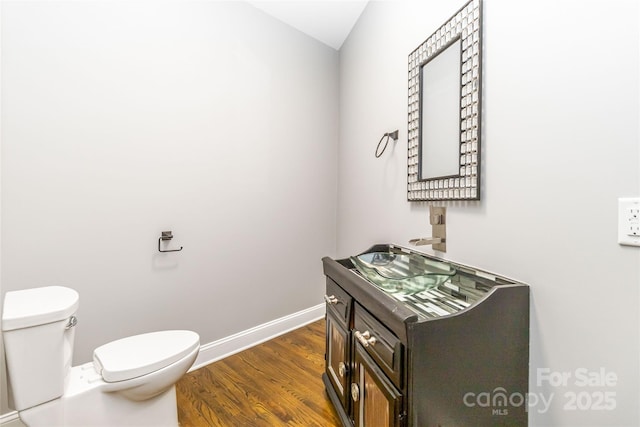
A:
277	383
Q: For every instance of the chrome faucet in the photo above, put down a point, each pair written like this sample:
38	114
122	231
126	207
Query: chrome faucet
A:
426	241
437	218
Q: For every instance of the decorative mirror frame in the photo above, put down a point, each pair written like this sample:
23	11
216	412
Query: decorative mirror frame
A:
466	24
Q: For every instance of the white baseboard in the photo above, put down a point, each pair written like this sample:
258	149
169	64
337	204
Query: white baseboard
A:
10	419
224	347
216	350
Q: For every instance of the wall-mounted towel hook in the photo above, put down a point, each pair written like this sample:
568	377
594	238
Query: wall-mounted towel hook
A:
166	236
389	135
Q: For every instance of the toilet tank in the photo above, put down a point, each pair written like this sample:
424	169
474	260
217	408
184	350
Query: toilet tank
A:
38	332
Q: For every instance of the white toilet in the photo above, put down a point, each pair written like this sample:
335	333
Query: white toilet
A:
131	382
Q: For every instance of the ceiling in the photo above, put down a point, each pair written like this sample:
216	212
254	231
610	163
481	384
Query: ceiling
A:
329	21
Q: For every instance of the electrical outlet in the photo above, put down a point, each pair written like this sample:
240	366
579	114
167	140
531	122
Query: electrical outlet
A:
629	221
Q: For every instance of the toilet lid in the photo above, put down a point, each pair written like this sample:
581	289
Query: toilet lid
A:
38	306
139	355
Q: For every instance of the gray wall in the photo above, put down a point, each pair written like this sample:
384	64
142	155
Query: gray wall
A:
560	145
3	382
215	121
123	119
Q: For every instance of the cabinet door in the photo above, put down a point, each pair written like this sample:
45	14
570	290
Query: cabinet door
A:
337	355
376	401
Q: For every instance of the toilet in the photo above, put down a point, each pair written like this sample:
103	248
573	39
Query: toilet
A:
130	382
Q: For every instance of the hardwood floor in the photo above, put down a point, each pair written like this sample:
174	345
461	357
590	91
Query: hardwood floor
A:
276	383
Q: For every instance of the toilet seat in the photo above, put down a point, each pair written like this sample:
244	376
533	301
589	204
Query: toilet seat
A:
139	355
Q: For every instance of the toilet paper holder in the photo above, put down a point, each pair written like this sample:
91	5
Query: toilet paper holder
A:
166	236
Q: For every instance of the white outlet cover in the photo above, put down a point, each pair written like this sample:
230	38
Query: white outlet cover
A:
629	221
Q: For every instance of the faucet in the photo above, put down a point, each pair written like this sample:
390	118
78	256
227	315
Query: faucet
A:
437	216
426	241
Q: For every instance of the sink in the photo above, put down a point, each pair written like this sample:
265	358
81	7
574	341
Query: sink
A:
401	273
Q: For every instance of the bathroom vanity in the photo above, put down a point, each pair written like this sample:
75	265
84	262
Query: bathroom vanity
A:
416	341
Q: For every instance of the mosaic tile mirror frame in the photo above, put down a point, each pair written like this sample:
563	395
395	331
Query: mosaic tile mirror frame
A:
459	143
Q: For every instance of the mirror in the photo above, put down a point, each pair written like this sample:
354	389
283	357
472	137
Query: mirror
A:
444	110
440	113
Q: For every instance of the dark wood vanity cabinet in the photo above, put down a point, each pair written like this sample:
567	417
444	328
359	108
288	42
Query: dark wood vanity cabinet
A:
377	402
338	348
401	361
359	373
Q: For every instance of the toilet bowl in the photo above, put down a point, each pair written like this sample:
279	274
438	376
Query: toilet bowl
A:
130	382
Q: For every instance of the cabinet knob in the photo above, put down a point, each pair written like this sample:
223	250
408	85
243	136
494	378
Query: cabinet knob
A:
342	369
355	392
331	299
365	338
